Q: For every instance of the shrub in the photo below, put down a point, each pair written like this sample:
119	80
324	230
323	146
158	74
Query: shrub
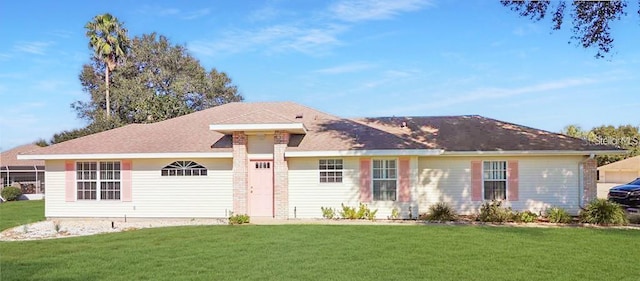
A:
239	219
634	218
348	212
328	213
526	217
441	212
604	212
558	215
11	193
493	212
395	213
363	212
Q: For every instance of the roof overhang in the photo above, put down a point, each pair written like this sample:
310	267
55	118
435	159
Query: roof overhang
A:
189	155
293	128
532	152
377	152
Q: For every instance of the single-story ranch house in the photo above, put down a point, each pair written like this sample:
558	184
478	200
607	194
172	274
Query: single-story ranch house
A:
26	174
286	160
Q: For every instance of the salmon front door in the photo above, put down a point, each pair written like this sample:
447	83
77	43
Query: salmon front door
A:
261	188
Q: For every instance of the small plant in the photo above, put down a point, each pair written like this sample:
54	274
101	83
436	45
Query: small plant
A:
558	215
25	228
56	226
526	217
348	212
634	218
11	193
371	215
328	212
363	212
238	219
441	212
395	213
493	212
603	212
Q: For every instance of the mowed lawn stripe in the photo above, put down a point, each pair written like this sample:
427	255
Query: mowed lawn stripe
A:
329	252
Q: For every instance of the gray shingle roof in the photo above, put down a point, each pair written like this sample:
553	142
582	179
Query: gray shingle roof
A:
190	133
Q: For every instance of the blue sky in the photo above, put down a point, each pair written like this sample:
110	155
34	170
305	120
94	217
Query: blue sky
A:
348	58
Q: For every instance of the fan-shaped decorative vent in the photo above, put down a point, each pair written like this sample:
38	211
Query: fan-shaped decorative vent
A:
184	168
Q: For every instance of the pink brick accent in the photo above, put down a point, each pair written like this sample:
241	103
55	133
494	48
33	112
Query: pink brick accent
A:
69	181
280	175
513	181
126	181
365	180
590	191
405	180
240	173
476	180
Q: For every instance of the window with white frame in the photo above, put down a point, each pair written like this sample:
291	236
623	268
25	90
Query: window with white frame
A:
385	175
184	168
330	170
98	180
494	177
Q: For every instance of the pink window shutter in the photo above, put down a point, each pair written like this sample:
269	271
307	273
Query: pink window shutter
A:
405	181
365	180
126	181
512	180
476	180
69	181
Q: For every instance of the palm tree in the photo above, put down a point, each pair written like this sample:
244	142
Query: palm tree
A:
109	41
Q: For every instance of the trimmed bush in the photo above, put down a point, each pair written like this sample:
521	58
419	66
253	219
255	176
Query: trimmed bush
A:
328	212
493	212
363	212
11	193
558	215
239	219
603	212
441	212
526	217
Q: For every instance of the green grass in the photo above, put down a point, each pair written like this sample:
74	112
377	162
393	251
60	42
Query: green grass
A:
17	213
329	252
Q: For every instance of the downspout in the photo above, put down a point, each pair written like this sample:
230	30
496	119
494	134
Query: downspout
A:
581	180
37	185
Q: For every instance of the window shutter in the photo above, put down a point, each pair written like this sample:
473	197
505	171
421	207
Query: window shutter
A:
405	181
70	181
512	180
476	180
126	181
365	180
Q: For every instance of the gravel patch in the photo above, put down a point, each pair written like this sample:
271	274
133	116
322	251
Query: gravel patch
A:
72	228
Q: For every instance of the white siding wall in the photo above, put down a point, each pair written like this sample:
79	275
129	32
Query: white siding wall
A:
152	194
307	194
543	182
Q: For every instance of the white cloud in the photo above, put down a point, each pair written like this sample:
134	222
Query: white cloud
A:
276	38
345	68
363	10
446	100
196	14
35	47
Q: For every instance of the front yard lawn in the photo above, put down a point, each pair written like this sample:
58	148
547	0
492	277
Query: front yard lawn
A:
329	252
17	213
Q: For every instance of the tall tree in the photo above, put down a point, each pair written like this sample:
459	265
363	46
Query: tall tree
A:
590	19
109	41
158	80
626	137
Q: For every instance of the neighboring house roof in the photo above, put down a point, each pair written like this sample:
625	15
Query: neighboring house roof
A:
632	164
9	157
324	132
